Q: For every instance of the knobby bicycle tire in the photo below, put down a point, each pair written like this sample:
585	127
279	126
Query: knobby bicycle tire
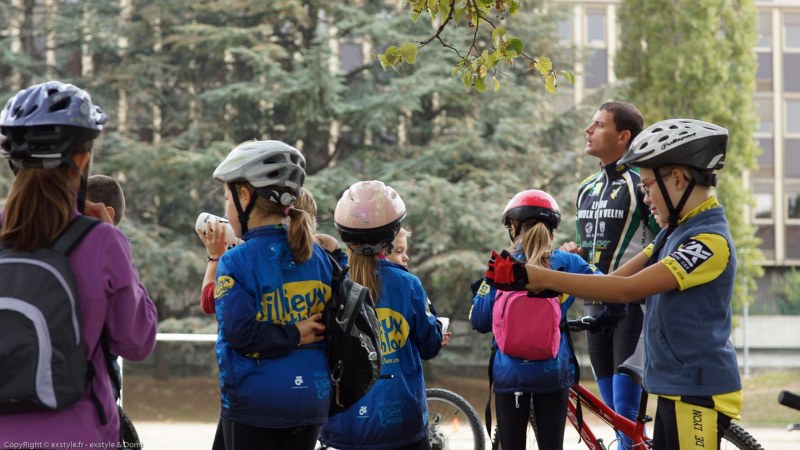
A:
449	414
531	434
128	434
737	437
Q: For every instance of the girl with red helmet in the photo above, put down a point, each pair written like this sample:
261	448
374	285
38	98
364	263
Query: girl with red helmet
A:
531	218
393	414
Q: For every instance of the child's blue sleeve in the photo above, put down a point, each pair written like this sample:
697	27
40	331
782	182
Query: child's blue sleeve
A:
481	313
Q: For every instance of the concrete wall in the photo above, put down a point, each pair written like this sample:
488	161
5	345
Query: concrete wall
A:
772	342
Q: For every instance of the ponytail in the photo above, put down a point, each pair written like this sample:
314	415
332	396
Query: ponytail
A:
301	234
363	271
535	238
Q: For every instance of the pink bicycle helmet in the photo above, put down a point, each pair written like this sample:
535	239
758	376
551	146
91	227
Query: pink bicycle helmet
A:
370	214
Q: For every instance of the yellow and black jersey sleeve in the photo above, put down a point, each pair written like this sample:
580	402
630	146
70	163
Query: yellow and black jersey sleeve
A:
699	260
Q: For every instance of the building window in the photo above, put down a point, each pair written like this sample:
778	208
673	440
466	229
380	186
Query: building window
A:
766	233
792	30
792	238
764	72
596	27
766	158
597	68
351	56
764	106
764	30
793	116
792	201
564	31
791	163
762	191
791	69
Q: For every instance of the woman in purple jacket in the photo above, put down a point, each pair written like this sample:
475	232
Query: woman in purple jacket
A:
47	135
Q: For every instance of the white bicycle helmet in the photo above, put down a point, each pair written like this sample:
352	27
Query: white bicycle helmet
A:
687	142
371	214
265	165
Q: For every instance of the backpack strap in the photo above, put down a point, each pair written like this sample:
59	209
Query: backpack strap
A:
74	234
488	411
65	244
574	360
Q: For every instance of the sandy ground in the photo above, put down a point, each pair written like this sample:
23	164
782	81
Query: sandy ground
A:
199	436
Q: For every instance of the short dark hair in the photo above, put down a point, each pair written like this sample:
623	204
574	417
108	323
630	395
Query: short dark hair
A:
106	190
626	117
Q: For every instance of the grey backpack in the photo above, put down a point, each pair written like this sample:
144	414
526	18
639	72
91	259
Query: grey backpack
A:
43	362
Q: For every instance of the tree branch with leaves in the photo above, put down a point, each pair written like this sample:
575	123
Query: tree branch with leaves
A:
480	60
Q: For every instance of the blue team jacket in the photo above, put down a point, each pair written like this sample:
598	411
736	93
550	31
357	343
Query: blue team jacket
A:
394	413
512	374
266	380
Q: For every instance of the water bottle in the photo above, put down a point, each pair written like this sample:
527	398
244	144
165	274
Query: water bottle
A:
203	218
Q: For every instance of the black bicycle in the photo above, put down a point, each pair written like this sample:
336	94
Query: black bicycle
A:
453	423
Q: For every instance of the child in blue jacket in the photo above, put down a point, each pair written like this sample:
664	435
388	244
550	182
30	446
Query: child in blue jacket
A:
394	413
531	217
269	295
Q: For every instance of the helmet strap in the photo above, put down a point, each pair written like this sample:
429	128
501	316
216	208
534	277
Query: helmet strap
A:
243	215
674	211
371	249
82	189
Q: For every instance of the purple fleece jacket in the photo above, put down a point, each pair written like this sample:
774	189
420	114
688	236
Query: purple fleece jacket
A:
110	294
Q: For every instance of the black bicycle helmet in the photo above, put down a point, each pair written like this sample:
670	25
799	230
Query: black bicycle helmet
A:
45	122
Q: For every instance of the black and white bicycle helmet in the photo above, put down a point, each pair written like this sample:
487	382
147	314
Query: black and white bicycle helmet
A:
687	142
43	124
699	146
266	165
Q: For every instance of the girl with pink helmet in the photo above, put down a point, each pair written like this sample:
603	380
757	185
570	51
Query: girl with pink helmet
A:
394	413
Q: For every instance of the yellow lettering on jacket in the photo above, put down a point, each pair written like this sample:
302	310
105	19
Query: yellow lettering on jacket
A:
394	330
294	302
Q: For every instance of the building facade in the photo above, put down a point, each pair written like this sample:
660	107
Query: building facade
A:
593	28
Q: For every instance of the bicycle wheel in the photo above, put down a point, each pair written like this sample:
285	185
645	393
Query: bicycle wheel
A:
453	424
736	437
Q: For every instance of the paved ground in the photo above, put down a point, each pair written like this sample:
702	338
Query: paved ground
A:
199	436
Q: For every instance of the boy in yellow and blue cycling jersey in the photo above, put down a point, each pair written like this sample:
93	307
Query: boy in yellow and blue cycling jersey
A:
687	275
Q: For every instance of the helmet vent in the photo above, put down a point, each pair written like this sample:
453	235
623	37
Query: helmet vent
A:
663	138
60	105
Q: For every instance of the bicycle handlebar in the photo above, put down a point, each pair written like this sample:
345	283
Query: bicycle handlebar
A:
786	398
581	324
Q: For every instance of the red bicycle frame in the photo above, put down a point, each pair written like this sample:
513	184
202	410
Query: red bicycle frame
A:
589	402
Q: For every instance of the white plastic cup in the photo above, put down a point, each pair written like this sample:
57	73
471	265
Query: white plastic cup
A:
203	218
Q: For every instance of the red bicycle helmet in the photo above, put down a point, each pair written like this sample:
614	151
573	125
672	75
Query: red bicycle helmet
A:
532	204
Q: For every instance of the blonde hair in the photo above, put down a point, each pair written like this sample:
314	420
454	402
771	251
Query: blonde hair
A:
535	240
403	232
306	202
301	223
363	271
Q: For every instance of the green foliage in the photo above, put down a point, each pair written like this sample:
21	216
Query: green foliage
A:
201	77
480	59
700	64
787	292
